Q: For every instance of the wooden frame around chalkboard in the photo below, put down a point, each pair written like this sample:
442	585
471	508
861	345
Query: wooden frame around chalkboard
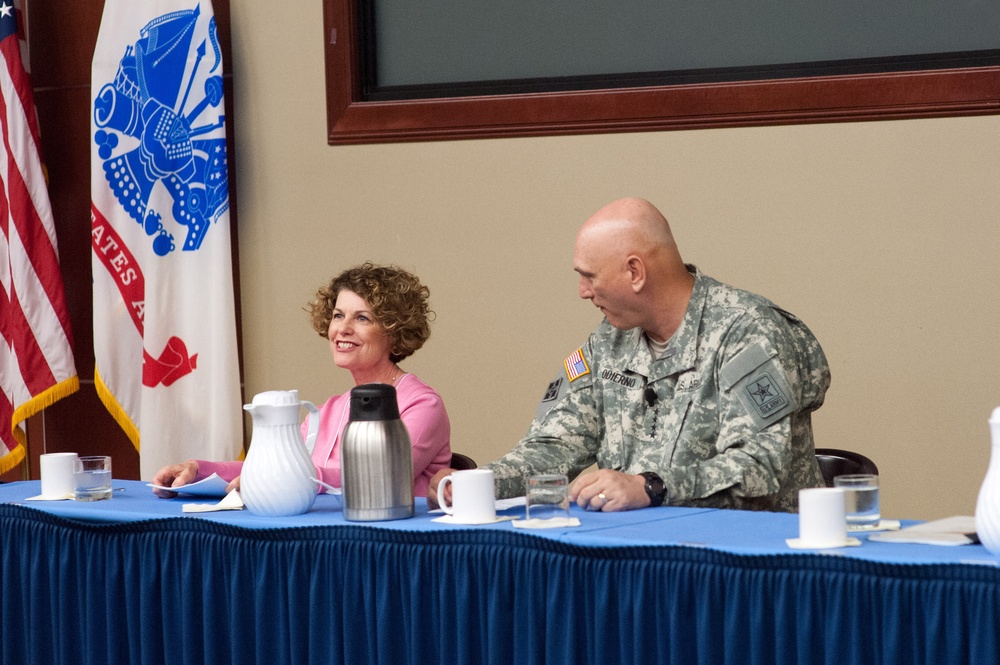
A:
918	93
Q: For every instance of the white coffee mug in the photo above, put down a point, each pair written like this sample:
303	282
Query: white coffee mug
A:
473	499
57	469
822	521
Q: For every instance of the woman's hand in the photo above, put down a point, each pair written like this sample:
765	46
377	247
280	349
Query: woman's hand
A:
433	500
175	475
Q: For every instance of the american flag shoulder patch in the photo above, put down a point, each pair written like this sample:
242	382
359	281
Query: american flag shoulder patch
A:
576	365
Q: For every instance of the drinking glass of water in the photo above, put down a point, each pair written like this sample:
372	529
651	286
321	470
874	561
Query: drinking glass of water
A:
861	499
93	478
547	497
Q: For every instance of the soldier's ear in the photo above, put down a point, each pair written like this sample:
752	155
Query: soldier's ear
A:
636	272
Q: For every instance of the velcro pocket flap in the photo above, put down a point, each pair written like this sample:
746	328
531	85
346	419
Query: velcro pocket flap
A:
743	363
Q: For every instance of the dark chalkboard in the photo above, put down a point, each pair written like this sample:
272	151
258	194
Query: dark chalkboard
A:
405	70
438	47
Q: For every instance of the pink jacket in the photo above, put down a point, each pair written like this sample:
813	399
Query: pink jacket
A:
420	409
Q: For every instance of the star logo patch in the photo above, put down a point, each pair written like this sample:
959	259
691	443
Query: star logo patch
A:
765	395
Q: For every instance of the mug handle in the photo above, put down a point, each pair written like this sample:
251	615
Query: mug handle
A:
448	509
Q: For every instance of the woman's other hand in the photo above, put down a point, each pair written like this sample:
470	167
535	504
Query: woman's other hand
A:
433	500
175	475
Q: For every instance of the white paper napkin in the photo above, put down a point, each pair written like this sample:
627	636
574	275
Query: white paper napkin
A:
550	523
882	525
232	501
42	497
450	519
797	544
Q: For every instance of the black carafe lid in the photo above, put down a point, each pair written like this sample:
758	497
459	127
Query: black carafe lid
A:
374	401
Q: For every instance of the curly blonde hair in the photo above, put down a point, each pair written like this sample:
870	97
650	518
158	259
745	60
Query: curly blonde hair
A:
397	298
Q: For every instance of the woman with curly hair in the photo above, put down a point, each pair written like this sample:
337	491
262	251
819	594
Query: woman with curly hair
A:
374	317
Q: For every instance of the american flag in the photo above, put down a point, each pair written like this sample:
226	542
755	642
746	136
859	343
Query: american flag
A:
576	365
36	358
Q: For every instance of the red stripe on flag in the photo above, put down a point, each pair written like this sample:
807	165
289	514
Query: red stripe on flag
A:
6	432
36	374
10	48
116	257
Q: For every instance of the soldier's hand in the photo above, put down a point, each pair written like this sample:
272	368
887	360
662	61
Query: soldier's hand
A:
609	491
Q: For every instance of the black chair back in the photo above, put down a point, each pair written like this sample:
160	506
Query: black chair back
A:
833	462
460	462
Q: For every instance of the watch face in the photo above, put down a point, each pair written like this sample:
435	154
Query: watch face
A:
655	489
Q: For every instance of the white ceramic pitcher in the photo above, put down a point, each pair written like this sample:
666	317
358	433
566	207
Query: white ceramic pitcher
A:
277	476
988	502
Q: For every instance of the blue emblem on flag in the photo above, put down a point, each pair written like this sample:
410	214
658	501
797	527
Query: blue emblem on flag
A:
155	113
576	365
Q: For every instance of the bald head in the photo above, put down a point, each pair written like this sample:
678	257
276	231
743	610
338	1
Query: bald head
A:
632	226
630	266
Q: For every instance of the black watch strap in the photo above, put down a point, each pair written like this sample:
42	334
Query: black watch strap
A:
655	489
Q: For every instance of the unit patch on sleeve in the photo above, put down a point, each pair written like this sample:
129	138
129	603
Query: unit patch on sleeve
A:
576	365
765	395
553	390
755	377
553	394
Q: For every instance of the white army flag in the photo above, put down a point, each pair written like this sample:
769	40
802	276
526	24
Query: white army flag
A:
164	316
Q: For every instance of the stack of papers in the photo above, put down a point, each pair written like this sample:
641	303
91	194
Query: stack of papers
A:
957	530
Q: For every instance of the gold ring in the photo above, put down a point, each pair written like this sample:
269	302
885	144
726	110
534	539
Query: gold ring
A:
603	498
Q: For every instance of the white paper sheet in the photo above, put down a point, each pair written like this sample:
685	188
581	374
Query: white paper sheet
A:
213	486
956	530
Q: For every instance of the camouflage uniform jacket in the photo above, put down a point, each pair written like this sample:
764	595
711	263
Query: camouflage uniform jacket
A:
730	423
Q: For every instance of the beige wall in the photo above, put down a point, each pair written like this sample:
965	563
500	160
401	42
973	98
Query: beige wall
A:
882	236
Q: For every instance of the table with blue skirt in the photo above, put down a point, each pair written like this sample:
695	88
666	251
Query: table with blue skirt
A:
135	580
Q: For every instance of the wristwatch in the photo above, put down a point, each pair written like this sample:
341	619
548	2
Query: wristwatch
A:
655	489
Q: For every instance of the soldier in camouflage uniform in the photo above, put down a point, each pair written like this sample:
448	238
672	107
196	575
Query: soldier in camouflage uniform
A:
690	392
